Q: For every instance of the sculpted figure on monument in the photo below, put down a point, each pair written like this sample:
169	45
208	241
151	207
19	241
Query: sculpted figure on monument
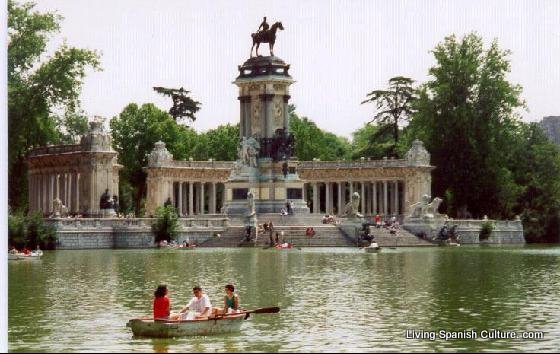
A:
57	208
106	202
265	36
425	208
251	204
351	209
248	151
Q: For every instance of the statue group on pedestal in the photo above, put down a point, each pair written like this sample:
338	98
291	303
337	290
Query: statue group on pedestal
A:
108	202
426	209
248	151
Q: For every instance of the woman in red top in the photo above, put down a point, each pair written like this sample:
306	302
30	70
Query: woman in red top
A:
161	303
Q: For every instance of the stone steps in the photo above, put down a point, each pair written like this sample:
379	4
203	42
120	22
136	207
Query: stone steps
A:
402	238
279	220
325	236
232	237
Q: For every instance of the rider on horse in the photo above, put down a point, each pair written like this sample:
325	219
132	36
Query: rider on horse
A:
264	25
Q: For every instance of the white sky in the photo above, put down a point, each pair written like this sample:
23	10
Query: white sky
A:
338	50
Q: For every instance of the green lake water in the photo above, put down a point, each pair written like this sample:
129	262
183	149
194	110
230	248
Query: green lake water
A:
339	299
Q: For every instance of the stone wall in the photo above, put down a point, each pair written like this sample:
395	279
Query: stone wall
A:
505	231
129	233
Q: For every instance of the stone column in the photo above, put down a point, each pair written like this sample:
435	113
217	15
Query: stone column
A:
351	183
76	203
51	194
57	186
316	207
374	197
191	199
214	202
201	198
396	197
180	199
385	195
363	197
328	202
69	191
340	197
286	116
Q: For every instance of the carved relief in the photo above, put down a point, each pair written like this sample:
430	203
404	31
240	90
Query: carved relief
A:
256	118
277	113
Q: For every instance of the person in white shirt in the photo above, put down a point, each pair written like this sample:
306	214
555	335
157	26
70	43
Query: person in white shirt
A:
200	304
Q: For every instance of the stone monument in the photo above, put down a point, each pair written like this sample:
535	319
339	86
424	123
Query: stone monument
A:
265	167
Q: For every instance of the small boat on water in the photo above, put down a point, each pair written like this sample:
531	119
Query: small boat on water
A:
372	248
148	327
16	256
167	328
283	246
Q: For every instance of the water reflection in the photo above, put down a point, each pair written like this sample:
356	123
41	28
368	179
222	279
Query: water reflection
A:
331	299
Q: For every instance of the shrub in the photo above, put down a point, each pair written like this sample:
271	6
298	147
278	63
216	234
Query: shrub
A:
486	230
166	224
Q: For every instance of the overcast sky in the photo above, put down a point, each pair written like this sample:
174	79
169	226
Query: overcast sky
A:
338	50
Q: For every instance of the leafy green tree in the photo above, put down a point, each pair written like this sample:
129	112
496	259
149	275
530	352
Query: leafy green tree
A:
312	142
368	141
183	105
166	224
394	107
534	162
219	143
37	88
466	115
30	231
134	132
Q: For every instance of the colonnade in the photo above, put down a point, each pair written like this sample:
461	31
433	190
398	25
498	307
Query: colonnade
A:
196	198
44	188
383	197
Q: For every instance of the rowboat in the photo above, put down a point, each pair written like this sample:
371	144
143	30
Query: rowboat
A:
284	246
16	256
229	323
373	247
169	328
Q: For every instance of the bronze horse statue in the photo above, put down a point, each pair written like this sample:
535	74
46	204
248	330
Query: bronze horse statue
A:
267	36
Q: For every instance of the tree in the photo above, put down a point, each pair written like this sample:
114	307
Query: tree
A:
183	105
370	141
312	142
219	144
534	162
394	107
134	132
37	88
466	115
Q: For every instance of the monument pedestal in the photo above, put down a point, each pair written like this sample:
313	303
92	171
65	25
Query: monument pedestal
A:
265	168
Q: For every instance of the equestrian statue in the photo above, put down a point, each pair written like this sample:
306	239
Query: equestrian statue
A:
265	35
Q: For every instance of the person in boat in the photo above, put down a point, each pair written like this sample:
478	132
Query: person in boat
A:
26	251
200	304
231	302
161	305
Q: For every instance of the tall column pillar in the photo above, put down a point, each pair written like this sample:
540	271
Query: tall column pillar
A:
50	198
212	205
340	197
201	198
363	197
69	191
316	207
180	199
57	186
396	197
285	111
44	192
191	199
351	183
374	197
385	194
328	201
76	193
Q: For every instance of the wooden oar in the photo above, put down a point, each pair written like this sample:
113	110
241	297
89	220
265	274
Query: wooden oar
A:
274	309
